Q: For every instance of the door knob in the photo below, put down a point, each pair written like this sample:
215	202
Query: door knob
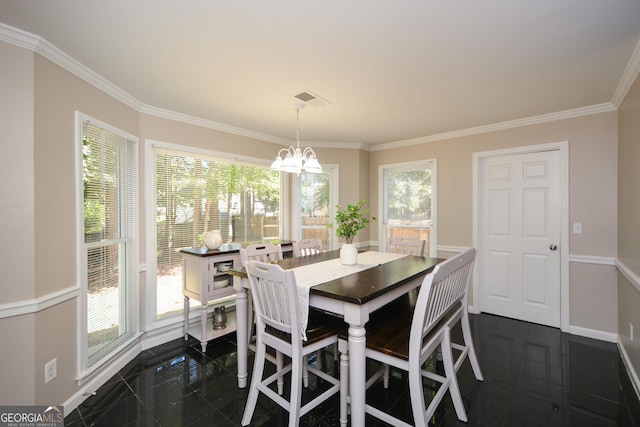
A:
553	247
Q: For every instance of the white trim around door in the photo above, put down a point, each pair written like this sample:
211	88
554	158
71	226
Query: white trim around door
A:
563	148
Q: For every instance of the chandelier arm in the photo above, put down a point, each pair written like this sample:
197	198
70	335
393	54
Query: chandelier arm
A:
289	150
308	152
295	159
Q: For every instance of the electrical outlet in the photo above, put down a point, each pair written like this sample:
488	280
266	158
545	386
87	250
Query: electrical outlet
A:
50	370
631	331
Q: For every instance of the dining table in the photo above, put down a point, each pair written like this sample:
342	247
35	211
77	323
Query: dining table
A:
353	292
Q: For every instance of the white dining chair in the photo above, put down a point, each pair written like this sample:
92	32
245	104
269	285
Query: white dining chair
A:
279	327
306	247
408	342
406	245
265	252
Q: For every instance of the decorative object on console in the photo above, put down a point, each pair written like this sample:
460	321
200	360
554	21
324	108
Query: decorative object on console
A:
212	239
221	282
296	160
348	222
224	266
219	318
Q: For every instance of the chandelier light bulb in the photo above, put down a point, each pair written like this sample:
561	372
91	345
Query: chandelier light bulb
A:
294	159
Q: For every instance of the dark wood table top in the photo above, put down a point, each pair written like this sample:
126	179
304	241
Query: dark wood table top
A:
234	247
365	285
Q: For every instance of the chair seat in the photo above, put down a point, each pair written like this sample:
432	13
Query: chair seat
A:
320	326
388	333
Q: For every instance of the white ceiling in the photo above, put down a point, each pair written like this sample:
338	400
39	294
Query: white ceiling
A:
391	71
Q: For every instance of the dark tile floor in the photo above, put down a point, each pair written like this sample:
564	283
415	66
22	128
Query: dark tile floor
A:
533	376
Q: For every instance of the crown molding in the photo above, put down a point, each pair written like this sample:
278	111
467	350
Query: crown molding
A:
544	118
210	124
18	37
628	78
346	145
45	49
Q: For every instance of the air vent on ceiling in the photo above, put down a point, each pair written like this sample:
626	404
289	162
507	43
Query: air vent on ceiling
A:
311	99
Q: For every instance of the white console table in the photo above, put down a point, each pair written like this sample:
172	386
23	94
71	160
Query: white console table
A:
199	273
200	269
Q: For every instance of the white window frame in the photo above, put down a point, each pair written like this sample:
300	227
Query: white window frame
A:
383	171
151	321
334	180
84	371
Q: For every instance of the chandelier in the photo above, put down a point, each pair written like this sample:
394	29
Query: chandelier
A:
296	160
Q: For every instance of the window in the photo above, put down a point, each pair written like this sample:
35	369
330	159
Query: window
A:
109	313
198	192
317	201
409	202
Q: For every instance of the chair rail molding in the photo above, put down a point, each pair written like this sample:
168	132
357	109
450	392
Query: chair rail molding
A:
591	259
454	249
30	306
629	274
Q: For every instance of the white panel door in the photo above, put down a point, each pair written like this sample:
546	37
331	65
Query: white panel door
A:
520	237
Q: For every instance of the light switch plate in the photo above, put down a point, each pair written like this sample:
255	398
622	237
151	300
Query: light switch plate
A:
577	228
50	370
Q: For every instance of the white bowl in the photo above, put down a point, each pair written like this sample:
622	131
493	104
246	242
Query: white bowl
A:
225	266
219	284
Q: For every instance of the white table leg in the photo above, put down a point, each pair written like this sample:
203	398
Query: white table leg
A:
344	383
186	317
357	373
242	335
203	325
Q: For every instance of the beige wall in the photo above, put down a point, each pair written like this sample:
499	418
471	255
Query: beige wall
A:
58	95
17	257
629	225
592	176
16	174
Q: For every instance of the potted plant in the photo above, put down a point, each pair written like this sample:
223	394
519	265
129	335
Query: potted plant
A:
347	224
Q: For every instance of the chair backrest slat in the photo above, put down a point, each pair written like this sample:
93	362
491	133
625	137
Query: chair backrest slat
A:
306	247
275	297
443	290
406	245
265	252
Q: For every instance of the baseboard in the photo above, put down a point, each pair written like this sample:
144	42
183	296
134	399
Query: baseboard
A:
576	330
164	335
633	375
89	388
595	334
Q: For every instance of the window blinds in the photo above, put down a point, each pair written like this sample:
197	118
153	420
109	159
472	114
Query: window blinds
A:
194	193
109	196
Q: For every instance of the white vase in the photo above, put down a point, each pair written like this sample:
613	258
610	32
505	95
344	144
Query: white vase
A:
348	254
212	239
